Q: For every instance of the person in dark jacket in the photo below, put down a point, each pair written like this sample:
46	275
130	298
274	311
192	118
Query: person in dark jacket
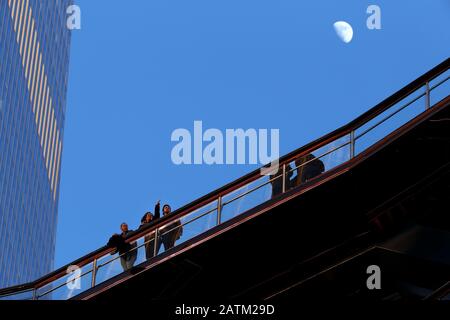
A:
308	167
149	239
170	233
277	183
127	254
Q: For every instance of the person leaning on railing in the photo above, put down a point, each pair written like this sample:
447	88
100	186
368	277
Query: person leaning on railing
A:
149	239
117	241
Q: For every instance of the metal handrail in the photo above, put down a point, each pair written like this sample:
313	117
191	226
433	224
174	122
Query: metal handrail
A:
321	156
389	116
188	222
120	255
17	293
277	177
61	285
231	187
154	238
440	292
252	190
439	83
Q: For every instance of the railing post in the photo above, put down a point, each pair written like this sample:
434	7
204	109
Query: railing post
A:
283	190
352	144
94	273
427	96
155	250
219	210
34	294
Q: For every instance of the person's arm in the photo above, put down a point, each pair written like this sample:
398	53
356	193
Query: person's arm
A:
112	243
157	210
129	235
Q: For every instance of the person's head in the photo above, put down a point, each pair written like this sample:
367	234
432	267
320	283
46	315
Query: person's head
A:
166	209
124	227
148	217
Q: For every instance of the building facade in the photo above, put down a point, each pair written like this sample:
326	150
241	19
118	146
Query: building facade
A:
34	64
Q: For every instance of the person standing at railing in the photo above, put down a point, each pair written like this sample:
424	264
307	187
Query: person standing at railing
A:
127	254
277	180
308	167
170	233
149	239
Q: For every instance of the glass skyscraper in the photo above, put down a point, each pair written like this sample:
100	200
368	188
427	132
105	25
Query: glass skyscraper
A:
34	62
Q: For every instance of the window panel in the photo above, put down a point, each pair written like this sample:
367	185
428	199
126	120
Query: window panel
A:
20	22
28	43
26	20
36	73
32	62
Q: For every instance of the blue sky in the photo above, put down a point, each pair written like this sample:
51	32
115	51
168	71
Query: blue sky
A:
140	69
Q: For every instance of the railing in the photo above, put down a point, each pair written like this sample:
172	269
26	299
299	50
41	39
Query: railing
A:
296	168
442	293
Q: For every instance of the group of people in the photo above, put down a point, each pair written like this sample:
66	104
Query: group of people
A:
167	236
307	167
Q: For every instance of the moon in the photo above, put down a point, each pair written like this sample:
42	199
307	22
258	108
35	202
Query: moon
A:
344	31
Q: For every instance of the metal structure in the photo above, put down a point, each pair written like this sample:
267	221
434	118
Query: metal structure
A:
336	150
